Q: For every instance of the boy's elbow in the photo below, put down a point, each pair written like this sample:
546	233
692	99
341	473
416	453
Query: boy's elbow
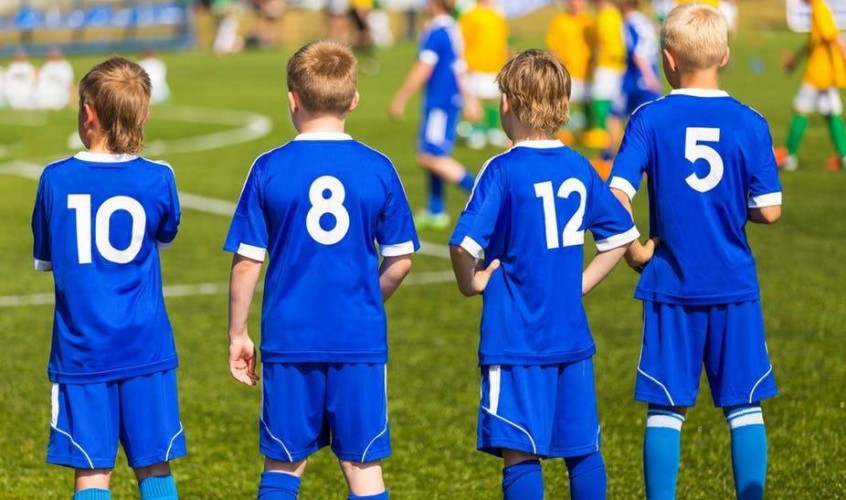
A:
765	215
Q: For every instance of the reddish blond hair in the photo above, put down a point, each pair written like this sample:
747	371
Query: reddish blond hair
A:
538	90
324	75
119	91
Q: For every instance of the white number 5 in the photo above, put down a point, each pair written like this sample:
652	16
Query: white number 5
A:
693	151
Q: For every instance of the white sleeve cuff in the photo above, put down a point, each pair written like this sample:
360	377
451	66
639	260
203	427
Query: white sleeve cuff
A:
163	246
429	57
251	252
42	265
624	186
472	247
617	240
406	248
765	200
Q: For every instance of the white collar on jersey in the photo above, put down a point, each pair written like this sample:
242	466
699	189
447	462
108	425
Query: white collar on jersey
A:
104	157
323	136
443	20
540	144
700	92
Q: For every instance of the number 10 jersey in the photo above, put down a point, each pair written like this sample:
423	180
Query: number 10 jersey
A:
318	206
97	223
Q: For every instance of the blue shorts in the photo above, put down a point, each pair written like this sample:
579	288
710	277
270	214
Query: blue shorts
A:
549	410
141	412
728	338
438	131
629	101
307	406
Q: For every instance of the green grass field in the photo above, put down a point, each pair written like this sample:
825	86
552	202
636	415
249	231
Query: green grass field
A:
433	330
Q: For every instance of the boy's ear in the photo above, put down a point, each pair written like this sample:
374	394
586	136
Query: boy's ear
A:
504	107
725	58
90	116
354	103
293	102
671	60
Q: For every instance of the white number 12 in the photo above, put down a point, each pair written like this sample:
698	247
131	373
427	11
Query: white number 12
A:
572	234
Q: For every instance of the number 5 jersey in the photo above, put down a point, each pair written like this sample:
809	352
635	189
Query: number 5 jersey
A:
97	223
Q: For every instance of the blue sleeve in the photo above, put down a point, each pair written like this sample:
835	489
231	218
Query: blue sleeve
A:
610	223
169	225
478	221
633	158
396	234
42	256
431	47
248	232
764	184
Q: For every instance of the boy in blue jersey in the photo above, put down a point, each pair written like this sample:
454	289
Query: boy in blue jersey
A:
710	169
99	219
440	67
318	206
528	214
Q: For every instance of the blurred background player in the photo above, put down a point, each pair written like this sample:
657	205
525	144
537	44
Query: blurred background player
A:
571	37
710	170
440	67
536	351
2	91
19	82
157	69
825	75
485	33
55	82
609	56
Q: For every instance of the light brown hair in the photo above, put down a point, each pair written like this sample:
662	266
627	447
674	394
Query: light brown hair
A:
119	91
696	35
324	75
538	89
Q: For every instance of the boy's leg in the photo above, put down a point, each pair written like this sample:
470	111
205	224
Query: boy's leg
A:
662	450
357	409
587	476
156	481
92	484
281	480
804	103
435	145
748	450
522	476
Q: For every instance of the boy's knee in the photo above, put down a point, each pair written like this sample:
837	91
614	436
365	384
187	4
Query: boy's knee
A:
363	478
511	457
295	468
159	469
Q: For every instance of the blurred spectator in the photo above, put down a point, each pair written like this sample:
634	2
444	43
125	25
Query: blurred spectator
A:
55	82
19	82
157	70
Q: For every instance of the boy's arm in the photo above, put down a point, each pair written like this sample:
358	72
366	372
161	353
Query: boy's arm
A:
472	107
392	272
471	278
637	254
790	60
652	81
765	215
601	266
417	77
242	285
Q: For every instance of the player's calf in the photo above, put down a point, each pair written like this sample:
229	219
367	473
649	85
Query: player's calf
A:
364	480
522	476
748	450
662	450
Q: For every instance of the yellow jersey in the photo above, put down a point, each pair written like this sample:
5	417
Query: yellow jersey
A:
570	38
713	3
485	33
826	67
610	50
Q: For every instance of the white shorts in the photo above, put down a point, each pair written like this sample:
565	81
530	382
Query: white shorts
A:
810	99
606	84
578	91
483	85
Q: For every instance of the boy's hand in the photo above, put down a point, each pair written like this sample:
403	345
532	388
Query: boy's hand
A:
638	255
242	360
482	274
396	109
472	109
788	61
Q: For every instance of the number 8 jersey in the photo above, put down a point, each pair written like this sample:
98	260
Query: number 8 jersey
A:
318	206
530	208
97	223
708	158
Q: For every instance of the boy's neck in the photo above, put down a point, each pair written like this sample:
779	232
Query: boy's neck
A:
705	79
529	135
322	124
99	146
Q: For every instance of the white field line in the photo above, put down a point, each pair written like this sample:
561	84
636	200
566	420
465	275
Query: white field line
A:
173	291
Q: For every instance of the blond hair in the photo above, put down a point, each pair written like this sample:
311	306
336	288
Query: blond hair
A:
324	75
538	89
119	91
697	36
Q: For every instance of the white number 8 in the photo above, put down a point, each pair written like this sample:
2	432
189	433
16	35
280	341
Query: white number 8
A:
694	151
333	205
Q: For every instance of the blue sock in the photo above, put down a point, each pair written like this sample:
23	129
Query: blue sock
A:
436	194
748	450
377	496
159	487
662	452
278	486
587	477
92	494
467	181
523	481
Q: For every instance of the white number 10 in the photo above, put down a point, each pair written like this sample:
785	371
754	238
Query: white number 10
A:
81	204
572	234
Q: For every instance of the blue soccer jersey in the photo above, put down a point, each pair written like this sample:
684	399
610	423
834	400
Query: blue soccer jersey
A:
641	41
442	47
318	206
97	223
708	159
530	208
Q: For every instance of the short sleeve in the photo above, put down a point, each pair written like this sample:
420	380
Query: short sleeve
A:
169	225
478	221
610	223
764	184
396	234
631	161
430	48
42	255
248	231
